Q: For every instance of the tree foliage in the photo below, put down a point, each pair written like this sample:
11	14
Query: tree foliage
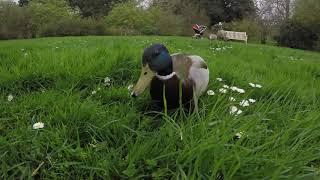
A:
94	8
228	10
130	19
307	13
46	11
15	22
295	35
216	10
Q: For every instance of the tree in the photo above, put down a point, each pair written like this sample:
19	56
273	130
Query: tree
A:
24	2
277	11
47	11
94	8
307	13
180	14
128	18
296	35
228	10
15	22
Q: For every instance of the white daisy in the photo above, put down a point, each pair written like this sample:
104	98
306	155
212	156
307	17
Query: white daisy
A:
252	85
223	91
233	88
233	110
239	112
10	97
239	135
38	125
232	99
219	79
210	93
94	92
252	100
241	91
255	85
130	87
226	86
107	81
244	103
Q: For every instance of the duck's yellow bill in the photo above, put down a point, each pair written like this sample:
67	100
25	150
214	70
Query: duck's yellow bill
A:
144	81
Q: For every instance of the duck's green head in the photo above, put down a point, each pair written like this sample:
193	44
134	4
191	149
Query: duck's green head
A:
155	60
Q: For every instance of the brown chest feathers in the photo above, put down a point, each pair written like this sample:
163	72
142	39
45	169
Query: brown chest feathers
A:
171	87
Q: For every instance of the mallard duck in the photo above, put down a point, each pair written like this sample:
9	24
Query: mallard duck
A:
162	71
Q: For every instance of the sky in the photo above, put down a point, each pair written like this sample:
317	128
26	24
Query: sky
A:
11	0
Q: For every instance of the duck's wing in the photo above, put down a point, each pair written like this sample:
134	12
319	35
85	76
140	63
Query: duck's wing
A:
199	73
181	65
191	69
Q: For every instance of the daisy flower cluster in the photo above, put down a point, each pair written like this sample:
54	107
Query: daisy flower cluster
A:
106	82
235	109
223	48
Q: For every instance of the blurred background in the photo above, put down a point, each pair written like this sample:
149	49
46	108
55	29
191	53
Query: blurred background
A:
291	23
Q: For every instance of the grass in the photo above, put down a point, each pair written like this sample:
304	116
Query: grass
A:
109	135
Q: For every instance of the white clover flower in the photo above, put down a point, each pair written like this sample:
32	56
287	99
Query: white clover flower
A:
226	86
232	99
244	103
130	87
219	79
38	125
94	92
223	91
252	100
10	97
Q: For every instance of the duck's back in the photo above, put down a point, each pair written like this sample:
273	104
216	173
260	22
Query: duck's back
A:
192	68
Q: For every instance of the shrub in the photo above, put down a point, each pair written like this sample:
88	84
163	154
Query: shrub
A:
250	26
296	35
74	27
129	19
15	22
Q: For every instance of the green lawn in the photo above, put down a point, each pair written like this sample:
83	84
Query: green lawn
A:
109	135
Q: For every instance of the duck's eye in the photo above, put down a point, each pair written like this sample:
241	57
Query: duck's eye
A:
145	73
